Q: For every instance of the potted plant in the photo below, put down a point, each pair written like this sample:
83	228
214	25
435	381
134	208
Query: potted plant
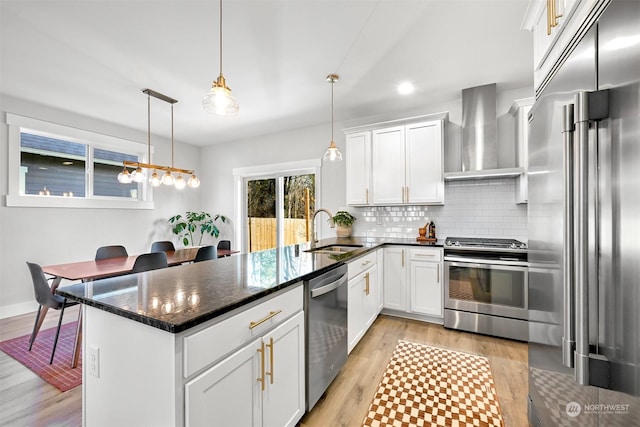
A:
185	226
344	222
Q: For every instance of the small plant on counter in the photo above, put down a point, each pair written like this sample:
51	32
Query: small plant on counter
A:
186	226
343	220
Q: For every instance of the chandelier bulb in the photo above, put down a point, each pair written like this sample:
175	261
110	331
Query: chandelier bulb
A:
168	179
125	177
193	182
180	182
155	179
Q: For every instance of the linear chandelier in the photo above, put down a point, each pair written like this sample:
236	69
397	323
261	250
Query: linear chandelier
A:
138	175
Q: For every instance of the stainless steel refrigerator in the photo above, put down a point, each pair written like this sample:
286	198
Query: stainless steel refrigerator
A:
584	230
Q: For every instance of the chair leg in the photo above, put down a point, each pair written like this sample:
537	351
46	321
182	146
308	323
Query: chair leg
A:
55	341
36	328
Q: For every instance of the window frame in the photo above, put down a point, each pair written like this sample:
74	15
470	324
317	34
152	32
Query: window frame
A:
17	124
277	171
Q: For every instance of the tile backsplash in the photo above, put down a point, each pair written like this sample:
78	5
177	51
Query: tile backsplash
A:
474	208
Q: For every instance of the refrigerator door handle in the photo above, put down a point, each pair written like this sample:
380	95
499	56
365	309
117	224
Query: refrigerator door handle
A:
590	106
568	335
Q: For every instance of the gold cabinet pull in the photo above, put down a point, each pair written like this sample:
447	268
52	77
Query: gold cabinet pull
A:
554	15
366	289
438	276
403	258
366	195
270	347
261	351
365	263
261	321
407	193
549	11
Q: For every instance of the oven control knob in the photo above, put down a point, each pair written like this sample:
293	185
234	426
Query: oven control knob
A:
513	246
456	243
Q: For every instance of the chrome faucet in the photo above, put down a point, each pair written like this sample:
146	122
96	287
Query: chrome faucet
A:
314	238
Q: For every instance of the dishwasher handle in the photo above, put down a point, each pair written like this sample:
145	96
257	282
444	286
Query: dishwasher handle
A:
321	290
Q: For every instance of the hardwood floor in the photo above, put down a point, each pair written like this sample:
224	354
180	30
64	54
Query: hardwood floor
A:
27	400
348	397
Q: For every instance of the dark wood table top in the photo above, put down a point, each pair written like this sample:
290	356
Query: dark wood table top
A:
91	270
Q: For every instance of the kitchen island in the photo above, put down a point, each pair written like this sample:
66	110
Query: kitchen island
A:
196	343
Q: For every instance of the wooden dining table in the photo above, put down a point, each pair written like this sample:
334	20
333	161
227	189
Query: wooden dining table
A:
110	267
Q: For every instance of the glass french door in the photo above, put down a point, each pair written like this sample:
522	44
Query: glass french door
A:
279	209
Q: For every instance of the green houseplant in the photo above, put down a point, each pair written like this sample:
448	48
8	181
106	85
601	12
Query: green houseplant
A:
344	223
185	226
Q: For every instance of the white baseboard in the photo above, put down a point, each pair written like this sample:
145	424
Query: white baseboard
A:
17	309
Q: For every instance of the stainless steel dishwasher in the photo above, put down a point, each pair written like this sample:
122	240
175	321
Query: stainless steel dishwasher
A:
325	308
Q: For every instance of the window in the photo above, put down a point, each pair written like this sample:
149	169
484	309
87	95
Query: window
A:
58	166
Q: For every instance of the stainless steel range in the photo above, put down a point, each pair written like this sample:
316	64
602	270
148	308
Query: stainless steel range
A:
486	286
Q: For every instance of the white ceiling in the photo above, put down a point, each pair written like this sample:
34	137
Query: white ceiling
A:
93	57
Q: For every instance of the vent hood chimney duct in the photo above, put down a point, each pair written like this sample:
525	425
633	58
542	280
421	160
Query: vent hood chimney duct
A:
480	136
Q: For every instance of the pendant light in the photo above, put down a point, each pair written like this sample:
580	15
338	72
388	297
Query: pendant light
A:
155	179
219	100
332	154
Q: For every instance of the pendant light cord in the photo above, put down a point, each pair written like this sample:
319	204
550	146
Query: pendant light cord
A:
171	135
220	37
148	128
332	83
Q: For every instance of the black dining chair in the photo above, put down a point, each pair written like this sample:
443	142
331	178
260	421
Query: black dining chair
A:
162	246
114	251
150	261
225	245
206	253
47	300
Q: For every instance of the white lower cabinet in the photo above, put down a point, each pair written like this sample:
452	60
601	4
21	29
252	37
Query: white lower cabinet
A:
426	287
261	384
363	303
395	278
413	281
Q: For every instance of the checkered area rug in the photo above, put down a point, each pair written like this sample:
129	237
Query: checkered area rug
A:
59	374
430	386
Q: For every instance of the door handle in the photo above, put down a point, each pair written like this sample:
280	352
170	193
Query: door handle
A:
366	279
316	292
261	379
270	347
568	336
590	106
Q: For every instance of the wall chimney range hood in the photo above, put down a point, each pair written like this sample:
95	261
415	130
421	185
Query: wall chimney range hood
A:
479	159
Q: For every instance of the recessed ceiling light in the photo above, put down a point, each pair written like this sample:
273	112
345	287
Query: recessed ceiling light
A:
406	88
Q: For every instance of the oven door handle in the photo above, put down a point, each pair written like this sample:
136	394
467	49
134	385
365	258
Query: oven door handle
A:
477	262
316	292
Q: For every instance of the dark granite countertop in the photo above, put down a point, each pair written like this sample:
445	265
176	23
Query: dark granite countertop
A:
178	298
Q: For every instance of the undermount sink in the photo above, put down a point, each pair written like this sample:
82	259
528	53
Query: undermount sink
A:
334	249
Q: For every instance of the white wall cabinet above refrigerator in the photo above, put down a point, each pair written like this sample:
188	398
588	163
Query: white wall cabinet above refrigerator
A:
554	23
397	164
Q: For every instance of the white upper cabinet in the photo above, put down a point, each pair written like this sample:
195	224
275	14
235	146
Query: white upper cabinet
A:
554	24
396	165
388	166
358	161
424	163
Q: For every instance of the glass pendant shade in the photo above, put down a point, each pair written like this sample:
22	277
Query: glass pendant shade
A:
180	182
194	182
168	178
219	100
332	154
138	175
155	179
124	177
